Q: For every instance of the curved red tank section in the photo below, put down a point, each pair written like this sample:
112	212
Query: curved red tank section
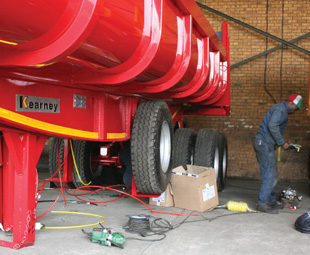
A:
159	49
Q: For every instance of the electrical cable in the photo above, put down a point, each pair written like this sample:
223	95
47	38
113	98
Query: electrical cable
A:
281	85
147	240
48	180
162	226
141	224
61	185
302	224
76	168
48	209
266	57
81	226
62	189
89	192
208	219
138	224
125	194
42	188
98	188
159	226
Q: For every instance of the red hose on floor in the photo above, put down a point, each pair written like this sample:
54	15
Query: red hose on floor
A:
122	192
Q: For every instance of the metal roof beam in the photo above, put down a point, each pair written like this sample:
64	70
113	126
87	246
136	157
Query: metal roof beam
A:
253	28
267	51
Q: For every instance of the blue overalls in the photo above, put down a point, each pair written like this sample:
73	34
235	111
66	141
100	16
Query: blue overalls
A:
269	135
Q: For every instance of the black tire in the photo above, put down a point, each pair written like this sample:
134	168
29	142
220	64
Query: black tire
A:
57	148
223	155
151	147
207	151
89	171
183	147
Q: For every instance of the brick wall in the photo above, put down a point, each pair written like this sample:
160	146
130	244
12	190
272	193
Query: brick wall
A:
249	99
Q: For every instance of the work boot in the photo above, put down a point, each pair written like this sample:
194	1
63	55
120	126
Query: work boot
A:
266	209
276	205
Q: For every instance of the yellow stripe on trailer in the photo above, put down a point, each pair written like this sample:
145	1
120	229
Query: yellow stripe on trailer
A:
116	135
20	119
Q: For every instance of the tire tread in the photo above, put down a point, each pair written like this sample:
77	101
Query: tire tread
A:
144	151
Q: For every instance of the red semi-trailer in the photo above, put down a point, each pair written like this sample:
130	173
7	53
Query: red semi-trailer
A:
106	74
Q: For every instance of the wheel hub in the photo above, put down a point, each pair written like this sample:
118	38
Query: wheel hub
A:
165	146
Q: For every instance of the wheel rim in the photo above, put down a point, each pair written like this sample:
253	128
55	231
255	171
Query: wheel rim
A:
165	146
224	162
216	161
192	157
192	154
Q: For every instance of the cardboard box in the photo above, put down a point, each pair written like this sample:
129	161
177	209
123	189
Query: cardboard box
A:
165	199
194	189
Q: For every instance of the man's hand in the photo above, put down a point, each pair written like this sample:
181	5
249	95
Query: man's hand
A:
285	146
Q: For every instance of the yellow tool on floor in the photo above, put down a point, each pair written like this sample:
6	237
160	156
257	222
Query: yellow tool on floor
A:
237	206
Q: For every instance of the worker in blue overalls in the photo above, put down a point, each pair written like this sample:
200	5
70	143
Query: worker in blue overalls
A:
269	136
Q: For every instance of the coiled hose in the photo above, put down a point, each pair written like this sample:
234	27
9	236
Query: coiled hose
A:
302	224
236	206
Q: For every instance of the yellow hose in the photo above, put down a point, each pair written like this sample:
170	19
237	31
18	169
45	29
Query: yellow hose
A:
81	226
76	168
238	206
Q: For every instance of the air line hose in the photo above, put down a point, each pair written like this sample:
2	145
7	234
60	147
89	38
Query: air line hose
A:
81	226
237	206
302	224
76	168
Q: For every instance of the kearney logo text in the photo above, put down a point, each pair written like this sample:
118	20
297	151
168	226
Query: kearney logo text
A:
37	104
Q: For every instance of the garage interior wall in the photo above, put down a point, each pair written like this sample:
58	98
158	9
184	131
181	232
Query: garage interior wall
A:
249	98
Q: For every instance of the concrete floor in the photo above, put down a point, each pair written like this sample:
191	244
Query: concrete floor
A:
235	233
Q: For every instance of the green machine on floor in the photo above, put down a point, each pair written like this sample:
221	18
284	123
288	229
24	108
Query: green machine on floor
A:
106	237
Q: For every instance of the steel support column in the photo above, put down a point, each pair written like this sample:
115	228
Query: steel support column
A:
21	152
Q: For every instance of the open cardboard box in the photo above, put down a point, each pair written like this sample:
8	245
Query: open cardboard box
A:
194	189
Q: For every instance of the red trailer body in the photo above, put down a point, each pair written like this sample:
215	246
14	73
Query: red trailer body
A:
80	68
